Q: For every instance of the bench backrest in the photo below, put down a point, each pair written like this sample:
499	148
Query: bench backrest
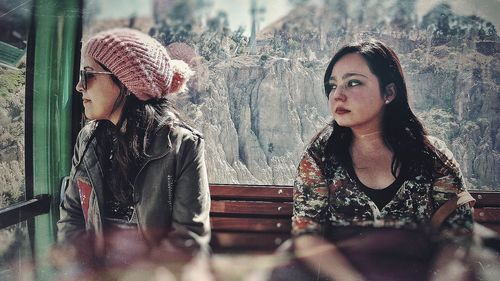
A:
258	217
250	217
487	209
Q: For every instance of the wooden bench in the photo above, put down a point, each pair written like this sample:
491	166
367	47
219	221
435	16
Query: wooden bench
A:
257	218
250	217
487	209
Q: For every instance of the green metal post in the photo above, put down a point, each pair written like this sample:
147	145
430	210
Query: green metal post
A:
56	24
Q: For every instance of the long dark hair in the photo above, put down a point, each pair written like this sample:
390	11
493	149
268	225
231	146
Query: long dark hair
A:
125	145
402	132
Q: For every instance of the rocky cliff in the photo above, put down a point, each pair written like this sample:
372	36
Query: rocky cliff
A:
457	96
257	115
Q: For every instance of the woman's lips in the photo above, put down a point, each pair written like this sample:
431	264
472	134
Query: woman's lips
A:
86	101
341	110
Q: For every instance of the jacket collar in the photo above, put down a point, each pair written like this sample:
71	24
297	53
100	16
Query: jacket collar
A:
160	143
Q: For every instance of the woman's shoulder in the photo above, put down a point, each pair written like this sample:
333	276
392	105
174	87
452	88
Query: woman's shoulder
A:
175	137
181	132
322	137
446	159
87	130
438	143
319	142
440	147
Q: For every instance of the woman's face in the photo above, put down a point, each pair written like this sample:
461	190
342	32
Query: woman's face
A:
101	93
355	100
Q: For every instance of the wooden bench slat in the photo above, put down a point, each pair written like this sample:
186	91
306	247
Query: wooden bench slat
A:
487	215
251	208
251	224
250	241
489	199
251	192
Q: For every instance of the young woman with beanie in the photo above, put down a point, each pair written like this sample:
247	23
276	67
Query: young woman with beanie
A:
136	166
374	168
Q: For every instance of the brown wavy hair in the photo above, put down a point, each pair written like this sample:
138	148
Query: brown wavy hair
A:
402	131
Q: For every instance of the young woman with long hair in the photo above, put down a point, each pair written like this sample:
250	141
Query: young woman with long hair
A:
137	165
374	167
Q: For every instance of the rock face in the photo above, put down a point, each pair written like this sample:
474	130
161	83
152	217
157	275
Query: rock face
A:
462	106
257	116
259	111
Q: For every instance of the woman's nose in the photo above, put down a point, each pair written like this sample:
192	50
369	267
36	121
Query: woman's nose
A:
79	86
338	94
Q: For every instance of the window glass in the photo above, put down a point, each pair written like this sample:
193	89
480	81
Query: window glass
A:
15	257
15	20
258	95
12	83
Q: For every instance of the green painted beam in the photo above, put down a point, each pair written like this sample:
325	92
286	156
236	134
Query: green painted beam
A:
10	55
56	30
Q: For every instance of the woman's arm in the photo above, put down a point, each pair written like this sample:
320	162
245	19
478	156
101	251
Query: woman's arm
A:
71	222
455	233
448	182
191	206
324	257
310	200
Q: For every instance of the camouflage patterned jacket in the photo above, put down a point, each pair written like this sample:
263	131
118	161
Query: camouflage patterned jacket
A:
326	196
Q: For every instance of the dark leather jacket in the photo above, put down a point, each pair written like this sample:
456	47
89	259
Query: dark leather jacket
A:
171	189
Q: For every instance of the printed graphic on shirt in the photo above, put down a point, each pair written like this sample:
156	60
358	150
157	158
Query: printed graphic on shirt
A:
84	189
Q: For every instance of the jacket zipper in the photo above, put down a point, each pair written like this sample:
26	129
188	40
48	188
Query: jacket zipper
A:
134	186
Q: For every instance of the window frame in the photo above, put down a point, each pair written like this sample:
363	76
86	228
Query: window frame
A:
52	64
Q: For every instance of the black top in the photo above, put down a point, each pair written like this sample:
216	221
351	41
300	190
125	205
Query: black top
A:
380	196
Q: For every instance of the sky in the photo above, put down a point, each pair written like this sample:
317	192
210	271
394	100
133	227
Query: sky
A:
487	9
239	10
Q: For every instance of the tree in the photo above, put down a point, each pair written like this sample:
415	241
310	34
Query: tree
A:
298	2
403	15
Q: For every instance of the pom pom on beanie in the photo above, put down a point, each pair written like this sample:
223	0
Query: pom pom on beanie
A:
182	72
140	62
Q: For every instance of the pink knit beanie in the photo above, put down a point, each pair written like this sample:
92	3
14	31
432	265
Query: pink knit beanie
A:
140	62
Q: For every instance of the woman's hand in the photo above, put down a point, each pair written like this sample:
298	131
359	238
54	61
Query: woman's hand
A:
319	254
450	264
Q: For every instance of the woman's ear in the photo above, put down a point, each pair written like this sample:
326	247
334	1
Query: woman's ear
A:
390	93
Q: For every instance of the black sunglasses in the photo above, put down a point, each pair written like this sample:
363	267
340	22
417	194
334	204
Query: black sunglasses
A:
86	74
